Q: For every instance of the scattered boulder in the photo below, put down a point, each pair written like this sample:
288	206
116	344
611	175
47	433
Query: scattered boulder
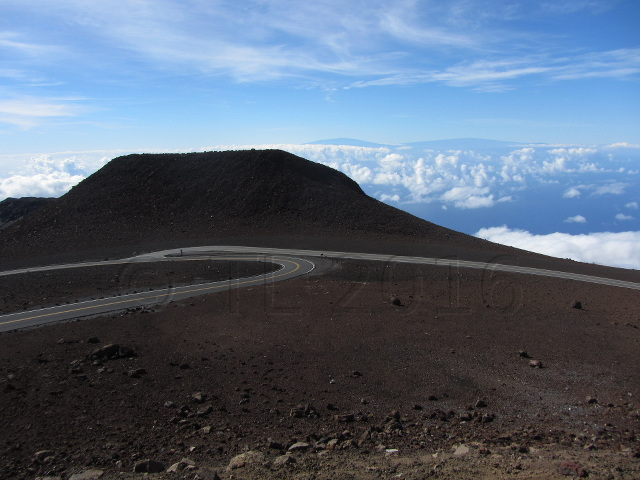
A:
301	411
524	354
332	444
274	445
299	447
364	438
282	461
203	412
572	469
137	372
461	450
535	364
87	475
181	465
199	397
481	404
43	455
112	351
396	301
148	466
345	418
591	400
487	418
465	417
577	305
248	458
393	422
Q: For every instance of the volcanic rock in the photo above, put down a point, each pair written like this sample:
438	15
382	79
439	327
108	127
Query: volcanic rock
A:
248	458
282	461
111	352
87	475
148	466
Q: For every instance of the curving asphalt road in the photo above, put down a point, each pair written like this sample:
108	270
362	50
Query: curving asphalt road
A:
291	266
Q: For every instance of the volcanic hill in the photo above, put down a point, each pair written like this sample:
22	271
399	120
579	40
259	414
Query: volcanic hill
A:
195	198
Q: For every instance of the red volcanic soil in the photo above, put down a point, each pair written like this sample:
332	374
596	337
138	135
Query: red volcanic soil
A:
359	370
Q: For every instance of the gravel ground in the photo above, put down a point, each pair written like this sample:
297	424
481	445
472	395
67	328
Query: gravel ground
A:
374	370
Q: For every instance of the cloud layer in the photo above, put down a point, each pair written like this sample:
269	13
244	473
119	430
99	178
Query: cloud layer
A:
464	182
48	175
478	176
620	249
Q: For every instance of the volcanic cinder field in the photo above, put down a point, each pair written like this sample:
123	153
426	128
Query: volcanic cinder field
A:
360	369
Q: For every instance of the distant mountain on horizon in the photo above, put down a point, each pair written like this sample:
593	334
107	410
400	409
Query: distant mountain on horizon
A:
446	144
352	142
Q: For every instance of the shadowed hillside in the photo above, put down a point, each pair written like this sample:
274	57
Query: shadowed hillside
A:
11	209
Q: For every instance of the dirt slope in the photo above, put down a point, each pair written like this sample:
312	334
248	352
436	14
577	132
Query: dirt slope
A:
11	209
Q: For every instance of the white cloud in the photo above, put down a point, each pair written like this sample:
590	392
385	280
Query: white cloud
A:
468	197
615	249
614	188
38	185
624	145
632	205
463	178
48	175
576	219
572	192
389	198
622	217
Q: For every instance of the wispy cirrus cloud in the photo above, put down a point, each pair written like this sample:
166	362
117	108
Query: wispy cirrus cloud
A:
573	6
27	112
494	75
12	42
377	43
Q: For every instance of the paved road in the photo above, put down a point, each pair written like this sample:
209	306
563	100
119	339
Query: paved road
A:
289	268
402	259
288	259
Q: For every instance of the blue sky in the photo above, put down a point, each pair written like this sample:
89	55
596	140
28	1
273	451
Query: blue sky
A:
130	74
557	81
